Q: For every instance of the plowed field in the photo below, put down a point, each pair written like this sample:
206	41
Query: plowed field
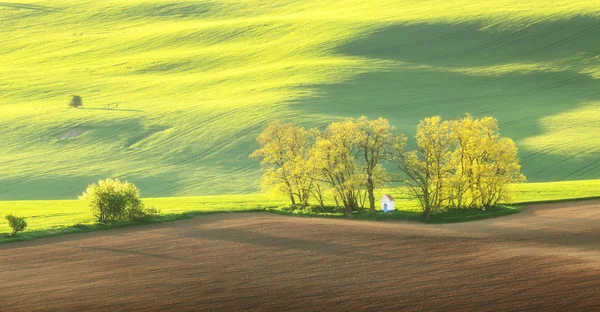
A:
546	258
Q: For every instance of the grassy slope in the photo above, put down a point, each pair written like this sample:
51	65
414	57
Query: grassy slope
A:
58	216
195	82
53	217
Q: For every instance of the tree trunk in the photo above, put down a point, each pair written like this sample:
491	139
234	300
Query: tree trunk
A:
347	206
320	200
427	204
427	212
352	204
371	199
293	199
304	199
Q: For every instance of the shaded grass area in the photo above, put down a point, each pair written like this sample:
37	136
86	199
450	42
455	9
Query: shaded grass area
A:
446	216
162	81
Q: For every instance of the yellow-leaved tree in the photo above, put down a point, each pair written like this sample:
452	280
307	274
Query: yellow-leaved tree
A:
428	167
463	163
283	150
485	163
334	164
374	144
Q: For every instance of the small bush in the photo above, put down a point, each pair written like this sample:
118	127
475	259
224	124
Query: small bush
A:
142	213
113	200
150	212
76	101
18	224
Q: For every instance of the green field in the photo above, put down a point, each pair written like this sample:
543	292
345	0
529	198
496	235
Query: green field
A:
176	92
52	217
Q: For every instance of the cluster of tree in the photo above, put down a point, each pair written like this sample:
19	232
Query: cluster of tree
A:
344	160
461	163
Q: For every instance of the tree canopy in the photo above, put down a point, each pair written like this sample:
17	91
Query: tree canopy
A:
462	163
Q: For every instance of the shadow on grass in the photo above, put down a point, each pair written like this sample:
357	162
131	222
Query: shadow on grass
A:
447	216
476	67
115	109
32	7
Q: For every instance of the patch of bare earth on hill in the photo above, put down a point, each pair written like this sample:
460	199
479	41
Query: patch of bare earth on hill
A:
71	133
546	258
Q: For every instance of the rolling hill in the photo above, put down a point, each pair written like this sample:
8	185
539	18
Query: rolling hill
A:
175	92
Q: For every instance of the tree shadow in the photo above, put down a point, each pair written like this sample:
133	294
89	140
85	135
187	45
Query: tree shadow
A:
31	7
116	109
515	75
179	10
124	138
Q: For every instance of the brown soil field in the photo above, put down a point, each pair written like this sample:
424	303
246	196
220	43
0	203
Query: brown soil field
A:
545	258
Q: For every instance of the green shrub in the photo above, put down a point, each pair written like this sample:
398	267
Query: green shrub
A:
76	101
18	224
113	200
151	212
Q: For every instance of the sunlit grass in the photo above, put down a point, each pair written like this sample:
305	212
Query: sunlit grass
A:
47	218
575	133
175	92
556	191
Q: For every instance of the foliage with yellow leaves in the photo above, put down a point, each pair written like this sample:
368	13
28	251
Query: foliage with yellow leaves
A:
374	144
283	152
335	165
462	163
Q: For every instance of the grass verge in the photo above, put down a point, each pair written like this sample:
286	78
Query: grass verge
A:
57	217
91	227
447	216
